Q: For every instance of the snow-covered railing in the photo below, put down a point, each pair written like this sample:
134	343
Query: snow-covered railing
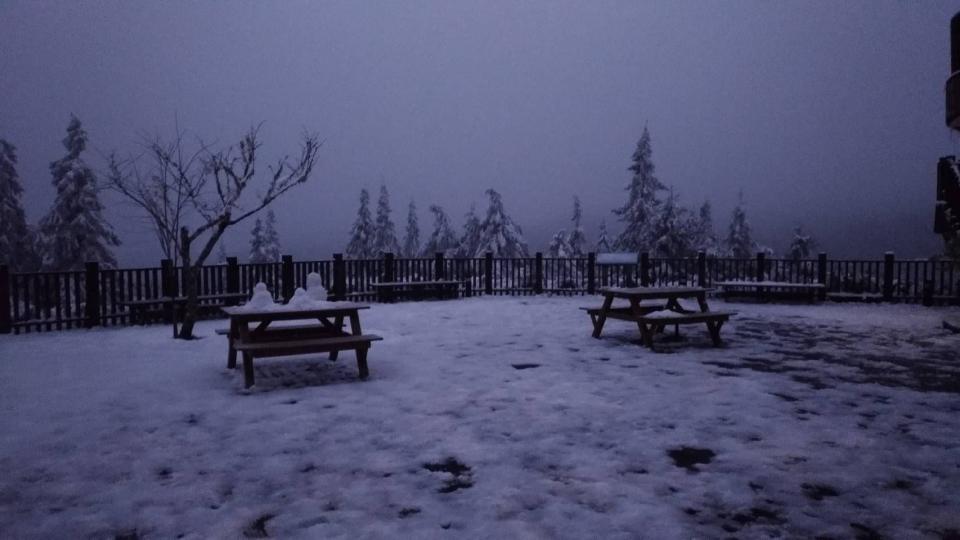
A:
94	296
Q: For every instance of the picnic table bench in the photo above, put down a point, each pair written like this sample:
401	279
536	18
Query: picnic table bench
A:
390	291
767	290
654	317
326	335
146	309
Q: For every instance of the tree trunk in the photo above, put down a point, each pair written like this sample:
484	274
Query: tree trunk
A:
191	273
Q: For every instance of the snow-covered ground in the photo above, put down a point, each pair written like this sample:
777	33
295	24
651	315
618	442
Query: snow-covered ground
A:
493	418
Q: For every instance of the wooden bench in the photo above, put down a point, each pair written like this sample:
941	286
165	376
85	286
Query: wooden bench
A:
653	323
390	291
766	290
624	313
149	309
332	344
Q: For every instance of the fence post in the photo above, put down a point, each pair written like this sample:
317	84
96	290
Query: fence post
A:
389	267
233	275
488	272
92	289
644	271
438	266
927	292
286	277
761	265
538	273
822	274
6	319
591	273
339	277
701	269
888	261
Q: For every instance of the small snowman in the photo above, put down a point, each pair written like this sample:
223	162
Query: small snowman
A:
315	288
301	299
262	299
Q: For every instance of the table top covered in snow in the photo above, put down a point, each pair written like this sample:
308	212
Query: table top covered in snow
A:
286	312
653	292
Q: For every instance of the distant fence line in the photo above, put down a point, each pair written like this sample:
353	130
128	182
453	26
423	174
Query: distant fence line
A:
45	301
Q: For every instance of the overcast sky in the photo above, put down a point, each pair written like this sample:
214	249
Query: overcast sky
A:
827	114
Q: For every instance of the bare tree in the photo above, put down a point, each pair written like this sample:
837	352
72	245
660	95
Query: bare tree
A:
194	196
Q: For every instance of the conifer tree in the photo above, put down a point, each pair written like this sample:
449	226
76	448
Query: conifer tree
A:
603	241
740	242
559	247
442	239
801	246
16	238
271	240
74	230
360	245
411	243
577	239
498	233
385	239
642	207
257	253
470	240
703	236
672	236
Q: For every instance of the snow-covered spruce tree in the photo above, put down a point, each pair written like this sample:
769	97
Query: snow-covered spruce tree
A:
411	242
442	239
363	233
576	240
703	237
671	233
385	238
264	241
17	248
642	206
740	242
603	241
470	240
498	233
559	247
802	245
74	230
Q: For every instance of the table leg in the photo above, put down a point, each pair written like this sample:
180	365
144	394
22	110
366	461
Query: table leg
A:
231	352
702	300
355	324
247	370
362	362
338	326
602	317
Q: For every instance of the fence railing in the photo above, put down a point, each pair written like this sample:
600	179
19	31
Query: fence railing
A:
45	301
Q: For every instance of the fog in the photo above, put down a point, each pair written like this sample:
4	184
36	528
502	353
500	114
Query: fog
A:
826	114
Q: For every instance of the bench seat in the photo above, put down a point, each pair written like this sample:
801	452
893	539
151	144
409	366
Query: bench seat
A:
655	322
331	344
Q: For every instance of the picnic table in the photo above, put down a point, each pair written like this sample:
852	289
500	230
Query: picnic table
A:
389	291
653	308
324	333
142	309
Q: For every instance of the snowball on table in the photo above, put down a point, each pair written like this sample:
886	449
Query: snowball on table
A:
261	299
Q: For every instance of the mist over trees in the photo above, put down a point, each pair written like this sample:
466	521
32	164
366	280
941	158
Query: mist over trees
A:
442	239
385	234
411	242
360	244
264	240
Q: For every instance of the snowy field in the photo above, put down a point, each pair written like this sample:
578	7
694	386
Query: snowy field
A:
833	420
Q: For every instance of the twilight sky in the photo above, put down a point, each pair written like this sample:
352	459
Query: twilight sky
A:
827	114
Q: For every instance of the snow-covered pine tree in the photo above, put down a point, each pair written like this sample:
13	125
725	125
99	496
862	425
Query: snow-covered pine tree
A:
642	207
442	239
576	240
271	240
74	230
740	242
257	253
411	243
703	236
362	234
385	239
17	248
471	234
559	247
802	245
603	241
671	232
498	233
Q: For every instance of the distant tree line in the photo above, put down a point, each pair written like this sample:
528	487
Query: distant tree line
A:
652	218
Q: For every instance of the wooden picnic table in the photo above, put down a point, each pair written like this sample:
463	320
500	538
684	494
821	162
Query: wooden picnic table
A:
652	317
325	333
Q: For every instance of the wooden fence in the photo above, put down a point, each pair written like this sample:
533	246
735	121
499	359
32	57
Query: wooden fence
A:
46	301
